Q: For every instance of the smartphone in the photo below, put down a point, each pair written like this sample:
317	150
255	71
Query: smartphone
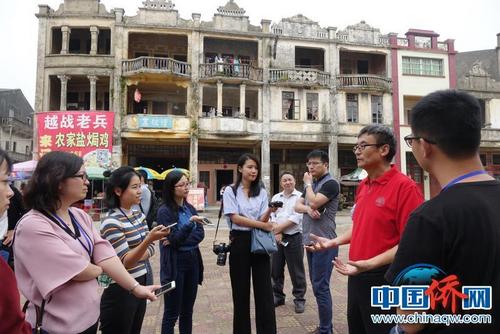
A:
164	288
171	225
206	221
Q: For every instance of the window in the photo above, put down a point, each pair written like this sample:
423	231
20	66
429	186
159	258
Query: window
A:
352	108
290	107
14	146
312	106
377	109
7	145
482	105
495	158
27	150
423	66
28	120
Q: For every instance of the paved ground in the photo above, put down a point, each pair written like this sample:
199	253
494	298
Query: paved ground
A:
213	308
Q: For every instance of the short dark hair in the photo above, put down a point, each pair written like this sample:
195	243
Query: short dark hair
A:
383	135
142	174
451	119
322	155
119	178
286	172
42	191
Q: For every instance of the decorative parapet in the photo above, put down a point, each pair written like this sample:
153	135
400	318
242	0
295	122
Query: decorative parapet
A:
362	33
159	4
363	81
156	65
302	77
90	7
242	71
231	9
299	26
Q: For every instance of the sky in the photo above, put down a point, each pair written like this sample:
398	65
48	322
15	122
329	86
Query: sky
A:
473	25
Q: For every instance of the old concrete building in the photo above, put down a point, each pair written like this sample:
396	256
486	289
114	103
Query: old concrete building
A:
196	94
479	74
16	125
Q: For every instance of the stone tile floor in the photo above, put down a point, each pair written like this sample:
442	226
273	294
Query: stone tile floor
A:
213	308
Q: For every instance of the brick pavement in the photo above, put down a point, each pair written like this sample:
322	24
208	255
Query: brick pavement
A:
213	308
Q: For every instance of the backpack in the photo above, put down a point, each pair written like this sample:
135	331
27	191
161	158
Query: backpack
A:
154	205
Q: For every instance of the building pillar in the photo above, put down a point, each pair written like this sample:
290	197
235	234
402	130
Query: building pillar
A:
219	98
94	33
193	104
265	150
64	91
65	31
242	99
93	80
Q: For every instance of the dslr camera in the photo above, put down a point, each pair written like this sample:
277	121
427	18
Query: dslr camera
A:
277	204
221	251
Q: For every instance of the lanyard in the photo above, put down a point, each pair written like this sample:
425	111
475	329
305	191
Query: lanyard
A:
463	177
131	223
79	231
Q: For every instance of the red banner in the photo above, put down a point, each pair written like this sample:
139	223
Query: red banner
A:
88	134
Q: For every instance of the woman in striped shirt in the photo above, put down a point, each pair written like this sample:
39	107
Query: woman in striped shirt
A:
127	232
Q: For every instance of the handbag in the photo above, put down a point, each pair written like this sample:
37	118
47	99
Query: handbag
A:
263	242
39	317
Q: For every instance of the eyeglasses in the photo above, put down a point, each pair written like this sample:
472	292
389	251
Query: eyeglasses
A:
83	176
183	185
410	138
362	147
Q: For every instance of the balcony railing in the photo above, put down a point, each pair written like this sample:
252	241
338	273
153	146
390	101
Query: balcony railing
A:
243	71
303	76
156	65
363	81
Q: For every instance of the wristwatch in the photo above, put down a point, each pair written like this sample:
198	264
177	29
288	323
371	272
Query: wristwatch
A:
307	185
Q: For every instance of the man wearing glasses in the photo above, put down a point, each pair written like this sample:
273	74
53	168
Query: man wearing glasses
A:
319	205
457	231
384	200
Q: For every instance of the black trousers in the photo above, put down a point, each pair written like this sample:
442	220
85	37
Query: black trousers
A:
242	265
359	308
293	256
121	311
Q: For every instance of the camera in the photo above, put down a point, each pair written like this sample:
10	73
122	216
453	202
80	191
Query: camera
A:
221	251
277	204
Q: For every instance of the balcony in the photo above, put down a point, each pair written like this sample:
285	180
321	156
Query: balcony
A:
299	77
230	126
363	82
230	73
16	127
156	66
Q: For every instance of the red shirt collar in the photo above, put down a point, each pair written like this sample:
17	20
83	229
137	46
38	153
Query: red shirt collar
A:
384	178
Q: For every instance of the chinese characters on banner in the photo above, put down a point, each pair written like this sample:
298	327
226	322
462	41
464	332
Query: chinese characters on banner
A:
196	198
87	134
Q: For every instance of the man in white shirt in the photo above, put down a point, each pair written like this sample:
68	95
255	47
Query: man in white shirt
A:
290	247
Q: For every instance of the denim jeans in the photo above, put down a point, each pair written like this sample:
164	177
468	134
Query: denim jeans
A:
179	302
320	270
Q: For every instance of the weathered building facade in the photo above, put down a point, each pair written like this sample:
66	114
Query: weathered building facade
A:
16	125
196	94
479	74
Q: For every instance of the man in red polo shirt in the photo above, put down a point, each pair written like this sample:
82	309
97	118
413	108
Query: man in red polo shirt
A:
384	201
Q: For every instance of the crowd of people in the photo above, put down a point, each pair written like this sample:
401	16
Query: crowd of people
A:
59	256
